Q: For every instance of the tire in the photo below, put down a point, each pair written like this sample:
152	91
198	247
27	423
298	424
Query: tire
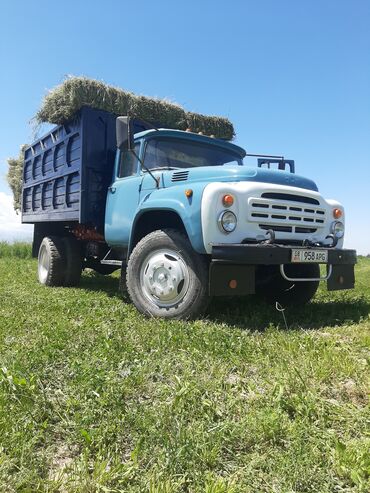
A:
166	277
123	279
289	293
73	261
51	261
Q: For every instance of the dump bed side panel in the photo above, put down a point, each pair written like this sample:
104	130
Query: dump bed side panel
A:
52	176
66	172
98	153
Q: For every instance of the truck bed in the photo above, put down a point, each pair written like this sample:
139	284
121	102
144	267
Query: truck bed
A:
66	173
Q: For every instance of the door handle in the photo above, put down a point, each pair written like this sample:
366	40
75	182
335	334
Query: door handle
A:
112	189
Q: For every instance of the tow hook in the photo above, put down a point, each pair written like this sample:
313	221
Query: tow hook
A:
310	243
334	240
271	239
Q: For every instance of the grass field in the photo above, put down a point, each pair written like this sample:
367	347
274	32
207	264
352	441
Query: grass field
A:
96	398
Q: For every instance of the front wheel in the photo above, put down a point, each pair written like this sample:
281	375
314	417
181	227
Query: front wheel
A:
166	277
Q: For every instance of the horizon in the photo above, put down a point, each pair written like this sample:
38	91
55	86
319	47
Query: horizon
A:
295	82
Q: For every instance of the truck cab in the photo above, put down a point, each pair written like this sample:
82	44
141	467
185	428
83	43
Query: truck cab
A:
238	220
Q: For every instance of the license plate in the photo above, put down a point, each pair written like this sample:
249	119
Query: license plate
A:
315	256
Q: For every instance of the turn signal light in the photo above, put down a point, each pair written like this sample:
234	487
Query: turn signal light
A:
189	193
337	213
227	200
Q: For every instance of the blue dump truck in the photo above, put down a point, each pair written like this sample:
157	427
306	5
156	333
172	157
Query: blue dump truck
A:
180	214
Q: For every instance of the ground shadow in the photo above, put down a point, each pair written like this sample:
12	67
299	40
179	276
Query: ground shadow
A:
92	281
254	314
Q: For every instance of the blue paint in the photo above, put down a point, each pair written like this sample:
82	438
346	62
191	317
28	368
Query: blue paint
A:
243	173
136	195
174	199
67	171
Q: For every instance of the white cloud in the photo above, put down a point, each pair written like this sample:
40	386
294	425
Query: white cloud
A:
11	228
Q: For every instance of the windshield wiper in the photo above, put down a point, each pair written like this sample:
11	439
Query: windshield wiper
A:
145	168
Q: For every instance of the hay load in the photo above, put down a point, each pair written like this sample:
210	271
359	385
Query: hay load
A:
65	100
14	177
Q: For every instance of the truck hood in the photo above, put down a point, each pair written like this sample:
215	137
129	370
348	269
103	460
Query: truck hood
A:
236	174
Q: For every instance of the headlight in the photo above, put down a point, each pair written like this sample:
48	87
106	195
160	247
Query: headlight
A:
337	228
227	221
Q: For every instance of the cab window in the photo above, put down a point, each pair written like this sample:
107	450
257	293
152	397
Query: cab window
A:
128	162
180	153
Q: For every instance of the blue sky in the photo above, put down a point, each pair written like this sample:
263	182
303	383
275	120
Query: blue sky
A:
293	76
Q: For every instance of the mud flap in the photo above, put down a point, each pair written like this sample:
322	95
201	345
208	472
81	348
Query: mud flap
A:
342	277
231	280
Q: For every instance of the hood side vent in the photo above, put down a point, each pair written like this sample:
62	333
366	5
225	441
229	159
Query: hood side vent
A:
180	176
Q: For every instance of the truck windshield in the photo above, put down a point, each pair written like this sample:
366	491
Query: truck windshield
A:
177	153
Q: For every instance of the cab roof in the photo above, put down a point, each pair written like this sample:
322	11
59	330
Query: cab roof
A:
164	132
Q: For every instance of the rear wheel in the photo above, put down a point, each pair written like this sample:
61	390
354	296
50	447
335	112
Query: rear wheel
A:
166	277
51	261
274	288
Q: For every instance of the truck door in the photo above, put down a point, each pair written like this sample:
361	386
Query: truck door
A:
122	198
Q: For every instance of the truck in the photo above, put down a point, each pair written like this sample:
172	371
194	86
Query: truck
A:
180	214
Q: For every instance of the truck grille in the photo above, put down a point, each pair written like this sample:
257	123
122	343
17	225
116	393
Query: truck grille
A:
287	229
286	212
290	197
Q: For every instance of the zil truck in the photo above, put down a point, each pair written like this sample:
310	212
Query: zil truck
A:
180	214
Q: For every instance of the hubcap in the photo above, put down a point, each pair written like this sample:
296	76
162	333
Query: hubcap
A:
43	264
164	278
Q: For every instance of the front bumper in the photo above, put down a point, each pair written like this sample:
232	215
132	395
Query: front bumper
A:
238	263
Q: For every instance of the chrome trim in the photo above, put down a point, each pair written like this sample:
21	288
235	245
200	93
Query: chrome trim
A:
220	224
332	229
305	279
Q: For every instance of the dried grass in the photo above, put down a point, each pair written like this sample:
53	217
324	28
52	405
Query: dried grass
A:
62	102
14	177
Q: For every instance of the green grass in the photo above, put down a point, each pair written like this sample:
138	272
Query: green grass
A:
19	249
96	398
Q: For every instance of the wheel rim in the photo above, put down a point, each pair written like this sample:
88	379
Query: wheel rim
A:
43	264
164	278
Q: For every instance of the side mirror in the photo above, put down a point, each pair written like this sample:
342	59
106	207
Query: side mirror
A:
124	133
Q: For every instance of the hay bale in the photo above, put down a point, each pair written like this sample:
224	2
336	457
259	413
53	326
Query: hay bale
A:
159	112
62	102
65	100
216	125
14	177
